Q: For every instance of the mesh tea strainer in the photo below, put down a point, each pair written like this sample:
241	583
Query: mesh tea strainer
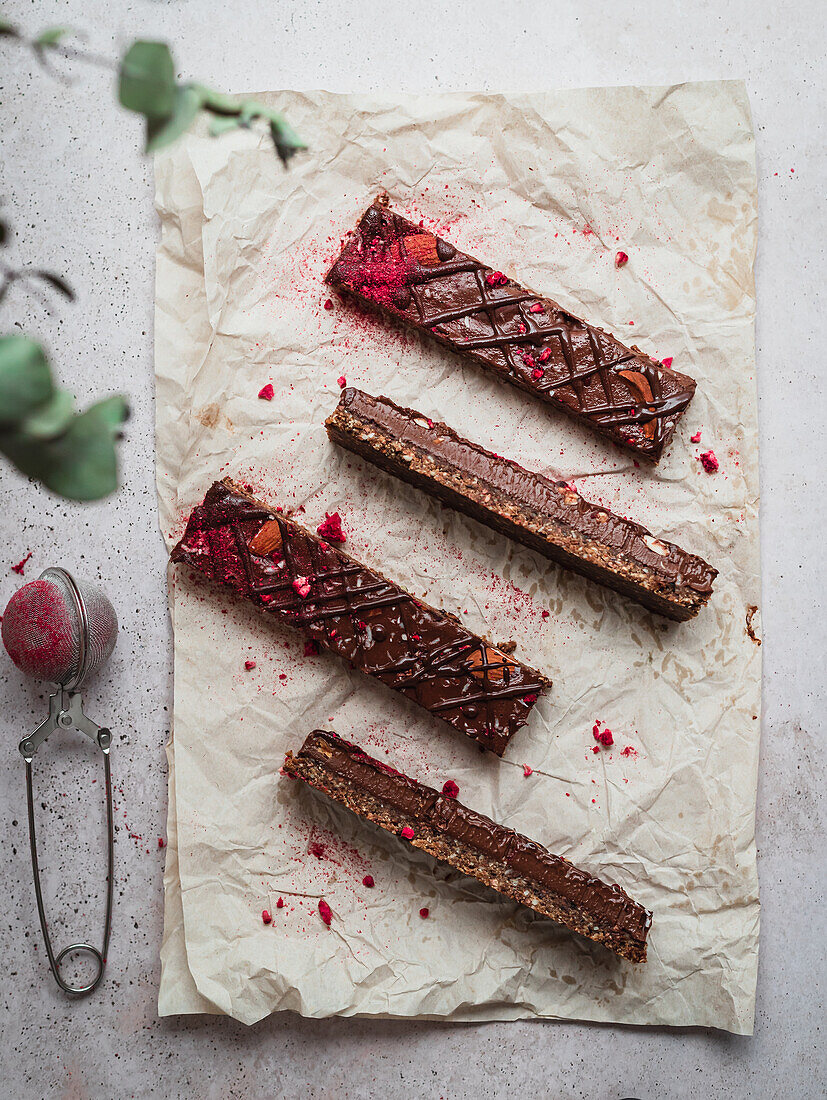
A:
61	630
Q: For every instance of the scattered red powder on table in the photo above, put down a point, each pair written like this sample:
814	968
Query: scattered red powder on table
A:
424	913
331	528
621	259
368	881
267	392
408	833
629	751
696	438
317	850
266	916
527	771
21	565
709	462
249	664
325	912
450	789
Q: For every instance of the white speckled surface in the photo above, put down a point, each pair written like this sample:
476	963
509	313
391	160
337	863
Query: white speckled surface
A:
79	198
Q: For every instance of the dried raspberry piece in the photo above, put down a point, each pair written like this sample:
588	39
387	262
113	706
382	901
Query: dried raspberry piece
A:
424	913
161	842
311	649
529	360
606	738
280	903
532	698
249	665
368	881
538	307
596	730
537	374
21	565
325	912
696	438
544	614
621	259
527	771
266	598
450	789
266	393
496	278
302	586
545	355
709	462
342	381
595	748
331	528
408	833
266	916
317	850
522	329
328	304
667	362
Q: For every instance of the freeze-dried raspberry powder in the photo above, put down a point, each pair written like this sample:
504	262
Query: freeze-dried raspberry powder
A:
331	528
317	850
368	881
267	392
325	912
408	833
709	462
450	789
21	565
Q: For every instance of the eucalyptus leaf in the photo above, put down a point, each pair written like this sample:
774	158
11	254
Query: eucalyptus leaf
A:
49	419
81	463
161	132
220	126
285	139
147	80
7	29
25	378
52	36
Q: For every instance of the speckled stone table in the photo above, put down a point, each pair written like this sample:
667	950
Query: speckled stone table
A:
79	199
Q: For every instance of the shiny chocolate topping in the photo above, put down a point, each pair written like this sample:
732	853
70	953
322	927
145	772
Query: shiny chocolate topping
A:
608	906
237	541
551	500
531	341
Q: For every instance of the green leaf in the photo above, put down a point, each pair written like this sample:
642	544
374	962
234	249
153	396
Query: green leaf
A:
25	378
51	36
285	139
49	419
80	464
220	126
147	80
161	132
7	29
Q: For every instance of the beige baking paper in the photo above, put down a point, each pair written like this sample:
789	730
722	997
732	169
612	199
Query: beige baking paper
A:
547	187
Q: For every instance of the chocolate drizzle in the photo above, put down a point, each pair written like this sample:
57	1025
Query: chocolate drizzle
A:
396	438
529	340
608	908
358	614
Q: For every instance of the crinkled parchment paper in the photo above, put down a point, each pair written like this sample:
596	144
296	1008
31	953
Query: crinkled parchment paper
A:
547	187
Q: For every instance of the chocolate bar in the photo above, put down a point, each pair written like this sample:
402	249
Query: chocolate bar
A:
411	276
509	863
547	516
427	655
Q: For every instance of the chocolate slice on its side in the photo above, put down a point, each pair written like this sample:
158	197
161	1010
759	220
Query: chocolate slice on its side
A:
544	515
427	655
413	277
507	862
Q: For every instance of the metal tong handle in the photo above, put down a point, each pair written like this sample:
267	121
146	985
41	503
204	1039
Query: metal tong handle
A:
63	705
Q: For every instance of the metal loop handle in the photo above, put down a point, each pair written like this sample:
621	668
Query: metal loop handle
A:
103	739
